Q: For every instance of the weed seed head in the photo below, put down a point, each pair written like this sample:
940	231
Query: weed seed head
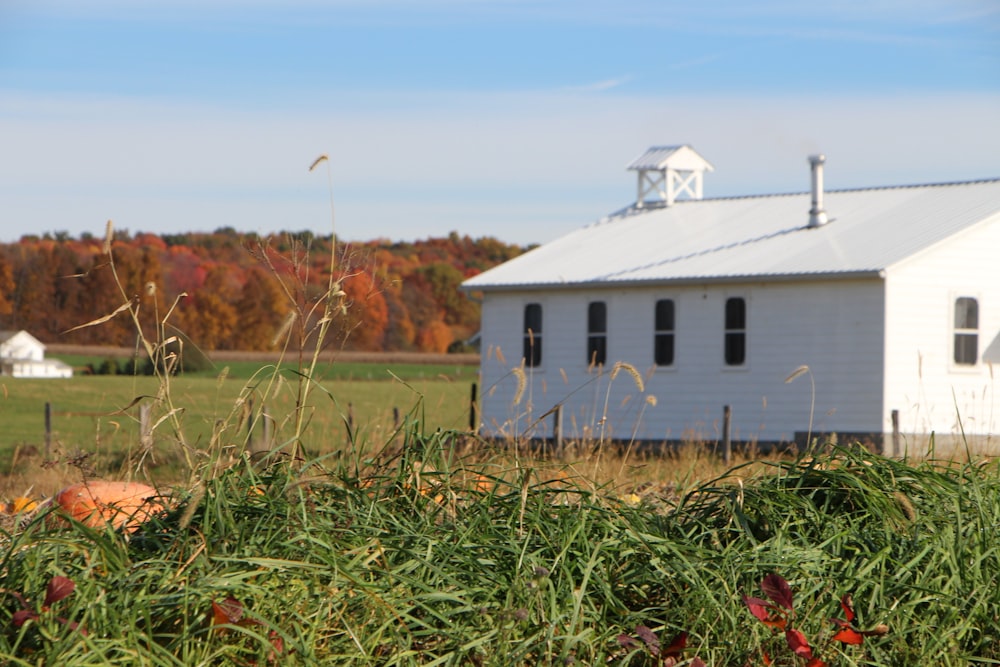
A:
631	370
322	158
801	370
522	383
109	235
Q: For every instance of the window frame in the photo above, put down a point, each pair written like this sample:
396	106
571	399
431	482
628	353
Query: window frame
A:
964	332
597	333
734	333
531	351
663	332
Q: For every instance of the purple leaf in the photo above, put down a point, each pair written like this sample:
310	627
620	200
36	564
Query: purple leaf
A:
22	616
649	637
778	590
58	588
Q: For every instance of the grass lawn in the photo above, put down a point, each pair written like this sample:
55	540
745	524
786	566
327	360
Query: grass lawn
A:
86	417
426	558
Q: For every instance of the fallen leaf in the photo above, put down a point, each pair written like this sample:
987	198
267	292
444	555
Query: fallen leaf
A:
776	588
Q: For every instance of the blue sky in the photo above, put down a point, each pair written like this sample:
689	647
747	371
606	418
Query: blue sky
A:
510	118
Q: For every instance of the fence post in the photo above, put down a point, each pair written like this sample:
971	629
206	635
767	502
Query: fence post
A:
473	411
727	444
145	428
268	427
248	416
48	431
895	433
557	428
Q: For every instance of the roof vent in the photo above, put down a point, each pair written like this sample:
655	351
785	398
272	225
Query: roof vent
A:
817	214
667	172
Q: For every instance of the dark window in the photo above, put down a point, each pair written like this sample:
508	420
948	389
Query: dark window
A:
966	331
533	335
736	331
663	336
597	333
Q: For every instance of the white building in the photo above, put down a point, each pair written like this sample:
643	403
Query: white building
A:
23	356
890	296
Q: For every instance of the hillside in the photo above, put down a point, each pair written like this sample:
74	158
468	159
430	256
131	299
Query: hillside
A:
230	291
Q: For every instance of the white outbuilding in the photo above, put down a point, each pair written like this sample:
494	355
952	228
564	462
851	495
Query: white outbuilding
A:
822	312
23	356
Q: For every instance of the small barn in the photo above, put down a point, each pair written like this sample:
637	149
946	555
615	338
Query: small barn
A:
23	356
856	312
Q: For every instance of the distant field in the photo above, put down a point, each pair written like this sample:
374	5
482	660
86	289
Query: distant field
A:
86	418
334	366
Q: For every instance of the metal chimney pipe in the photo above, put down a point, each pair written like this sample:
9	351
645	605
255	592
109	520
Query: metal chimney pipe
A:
817	214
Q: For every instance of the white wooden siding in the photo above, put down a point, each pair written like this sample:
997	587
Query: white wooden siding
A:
932	394
834	327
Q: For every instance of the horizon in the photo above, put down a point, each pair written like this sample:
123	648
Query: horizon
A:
487	118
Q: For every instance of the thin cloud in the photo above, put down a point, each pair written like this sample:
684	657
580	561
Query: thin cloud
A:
599	86
696	62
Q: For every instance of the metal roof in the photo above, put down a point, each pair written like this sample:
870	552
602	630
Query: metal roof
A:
681	157
752	238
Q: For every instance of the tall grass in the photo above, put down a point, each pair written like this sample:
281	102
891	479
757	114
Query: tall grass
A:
420	559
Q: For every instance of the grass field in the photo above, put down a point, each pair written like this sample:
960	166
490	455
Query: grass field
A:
86	417
339	371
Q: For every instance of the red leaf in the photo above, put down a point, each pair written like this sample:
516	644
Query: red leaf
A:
758	608
277	643
815	662
58	588
847	604
649	637
229	611
677	645
798	643
697	662
778	590
628	641
22	616
849	636
766	658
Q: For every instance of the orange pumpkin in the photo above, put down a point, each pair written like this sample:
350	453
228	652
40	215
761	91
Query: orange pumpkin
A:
122	504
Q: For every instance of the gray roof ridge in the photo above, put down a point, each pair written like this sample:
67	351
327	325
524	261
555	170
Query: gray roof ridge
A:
632	209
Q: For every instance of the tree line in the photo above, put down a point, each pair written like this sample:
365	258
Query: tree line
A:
226	290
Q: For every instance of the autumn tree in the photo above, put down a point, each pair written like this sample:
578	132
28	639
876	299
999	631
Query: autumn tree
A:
6	286
400	295
261	308
367	313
